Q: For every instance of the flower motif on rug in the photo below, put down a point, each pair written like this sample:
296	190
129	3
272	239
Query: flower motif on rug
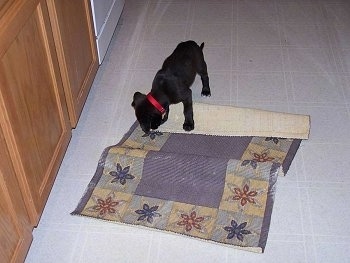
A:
235	230
153	134
190	221
258	158
148	213
244	195
196	221
262	158
275	140
121	174
105	206
252	163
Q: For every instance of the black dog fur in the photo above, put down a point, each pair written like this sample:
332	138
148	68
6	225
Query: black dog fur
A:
172	84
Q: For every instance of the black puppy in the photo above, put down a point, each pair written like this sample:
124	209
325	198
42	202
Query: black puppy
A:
171	85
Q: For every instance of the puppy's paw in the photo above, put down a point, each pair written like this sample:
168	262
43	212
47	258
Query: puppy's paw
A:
188	126
206	92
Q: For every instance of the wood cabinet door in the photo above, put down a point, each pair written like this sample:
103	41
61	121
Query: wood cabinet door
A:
15	229
76	48
33	112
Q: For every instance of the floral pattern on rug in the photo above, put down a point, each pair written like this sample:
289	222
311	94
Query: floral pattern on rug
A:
226	201
107	205
192	220
121	174
237	230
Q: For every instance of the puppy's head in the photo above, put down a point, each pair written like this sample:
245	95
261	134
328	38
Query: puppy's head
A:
147	115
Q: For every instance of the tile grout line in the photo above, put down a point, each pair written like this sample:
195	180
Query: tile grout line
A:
286	85
234	51
331	29
300	208
281	35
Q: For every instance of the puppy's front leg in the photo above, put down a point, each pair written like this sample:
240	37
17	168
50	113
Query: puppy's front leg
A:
188	112
205	81
165	118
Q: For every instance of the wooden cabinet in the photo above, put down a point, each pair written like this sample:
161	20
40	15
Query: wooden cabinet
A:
76	48
2	6
47	64
15	228
33	114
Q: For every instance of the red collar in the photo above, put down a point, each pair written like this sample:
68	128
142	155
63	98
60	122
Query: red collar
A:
156	104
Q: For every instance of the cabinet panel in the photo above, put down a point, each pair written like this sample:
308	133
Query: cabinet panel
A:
33	115
15	229
2	5
75	43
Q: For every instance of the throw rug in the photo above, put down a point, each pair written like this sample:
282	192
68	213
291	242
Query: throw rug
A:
214	188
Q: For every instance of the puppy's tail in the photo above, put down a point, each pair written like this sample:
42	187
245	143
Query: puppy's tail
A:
202	46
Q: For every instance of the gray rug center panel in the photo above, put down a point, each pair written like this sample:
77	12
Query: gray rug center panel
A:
196	180
212	146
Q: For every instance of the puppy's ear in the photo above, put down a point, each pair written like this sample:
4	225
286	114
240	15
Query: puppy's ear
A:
138	97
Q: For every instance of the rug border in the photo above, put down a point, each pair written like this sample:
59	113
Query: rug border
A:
293	149
217	243
265	228
98	172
